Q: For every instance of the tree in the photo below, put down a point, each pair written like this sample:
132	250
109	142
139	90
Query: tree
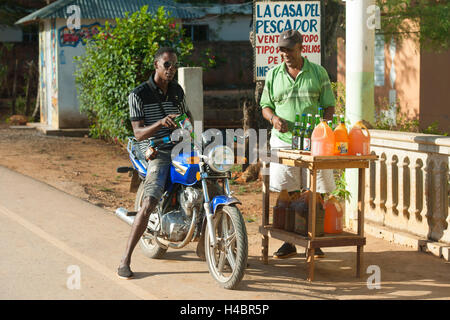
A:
427	21
13	10
117	59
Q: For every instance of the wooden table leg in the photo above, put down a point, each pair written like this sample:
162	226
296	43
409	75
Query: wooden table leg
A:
312	222
312	205
310	261
265	211
361	193
359	260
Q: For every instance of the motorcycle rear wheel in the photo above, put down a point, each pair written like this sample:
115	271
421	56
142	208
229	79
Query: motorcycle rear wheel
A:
147	242
228	259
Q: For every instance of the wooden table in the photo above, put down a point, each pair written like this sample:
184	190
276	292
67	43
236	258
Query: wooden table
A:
304	159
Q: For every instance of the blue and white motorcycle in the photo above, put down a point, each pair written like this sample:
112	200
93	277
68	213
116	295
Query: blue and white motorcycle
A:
194	207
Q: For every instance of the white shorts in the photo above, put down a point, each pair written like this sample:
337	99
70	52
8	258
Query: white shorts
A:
289	178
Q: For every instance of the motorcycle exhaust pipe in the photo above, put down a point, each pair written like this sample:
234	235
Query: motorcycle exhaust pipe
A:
125	215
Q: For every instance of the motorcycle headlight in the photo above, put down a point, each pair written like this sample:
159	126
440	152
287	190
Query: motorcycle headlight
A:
220	158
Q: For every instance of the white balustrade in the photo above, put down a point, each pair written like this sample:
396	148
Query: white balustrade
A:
408	187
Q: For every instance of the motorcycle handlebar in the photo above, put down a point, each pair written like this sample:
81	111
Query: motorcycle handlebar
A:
159	141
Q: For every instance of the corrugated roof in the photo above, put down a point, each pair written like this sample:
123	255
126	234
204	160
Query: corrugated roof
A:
220	9
107	9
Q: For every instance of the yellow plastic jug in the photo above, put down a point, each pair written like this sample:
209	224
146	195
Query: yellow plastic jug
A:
341	140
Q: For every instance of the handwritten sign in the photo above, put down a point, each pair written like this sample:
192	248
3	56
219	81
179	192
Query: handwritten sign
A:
270	19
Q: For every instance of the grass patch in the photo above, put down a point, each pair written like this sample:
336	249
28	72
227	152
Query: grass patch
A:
242	190
104	189
236	168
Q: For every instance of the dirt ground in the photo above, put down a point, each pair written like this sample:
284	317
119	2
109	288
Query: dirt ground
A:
86	168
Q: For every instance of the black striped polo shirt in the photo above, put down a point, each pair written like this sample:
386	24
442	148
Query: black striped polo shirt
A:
144	102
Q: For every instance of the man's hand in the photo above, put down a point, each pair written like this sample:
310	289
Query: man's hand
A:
168	121
279	124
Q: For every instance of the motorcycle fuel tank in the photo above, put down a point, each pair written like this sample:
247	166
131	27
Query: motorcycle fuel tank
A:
183	172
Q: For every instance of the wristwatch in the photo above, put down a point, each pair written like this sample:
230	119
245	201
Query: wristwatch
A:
273	115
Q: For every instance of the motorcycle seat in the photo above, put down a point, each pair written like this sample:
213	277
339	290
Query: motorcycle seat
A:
136	149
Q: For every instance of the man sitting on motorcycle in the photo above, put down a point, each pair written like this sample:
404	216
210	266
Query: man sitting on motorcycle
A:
153	106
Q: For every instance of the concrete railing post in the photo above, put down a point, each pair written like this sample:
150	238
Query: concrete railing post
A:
191	80
416	181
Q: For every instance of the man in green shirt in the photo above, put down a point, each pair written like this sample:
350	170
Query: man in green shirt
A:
295	86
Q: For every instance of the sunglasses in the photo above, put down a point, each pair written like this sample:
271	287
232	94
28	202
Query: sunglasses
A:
169	64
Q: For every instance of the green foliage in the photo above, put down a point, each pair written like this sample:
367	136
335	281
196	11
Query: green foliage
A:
11	11
383	121
430	21
434	129
4	68
206	60
341	193
339	93
119	58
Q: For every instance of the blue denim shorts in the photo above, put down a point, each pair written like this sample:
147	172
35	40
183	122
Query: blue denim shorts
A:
157	172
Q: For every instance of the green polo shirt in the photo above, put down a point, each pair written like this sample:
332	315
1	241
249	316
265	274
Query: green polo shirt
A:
286	96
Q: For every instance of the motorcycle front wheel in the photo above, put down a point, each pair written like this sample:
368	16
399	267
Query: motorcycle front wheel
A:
228	259
147	242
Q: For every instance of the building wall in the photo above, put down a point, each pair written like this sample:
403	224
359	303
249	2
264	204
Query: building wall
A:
435	89
10	34
22	52
401	74
340	60
49	106
230	29
59	103
226	28
42	74
235	64
68	106
407	75
48	50
416	79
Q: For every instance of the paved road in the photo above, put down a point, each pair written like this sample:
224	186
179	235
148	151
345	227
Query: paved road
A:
50	239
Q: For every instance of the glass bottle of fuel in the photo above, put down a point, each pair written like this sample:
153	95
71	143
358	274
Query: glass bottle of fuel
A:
307	137
302	130
318	117
296	133
310	120
321	113
317	120
335	122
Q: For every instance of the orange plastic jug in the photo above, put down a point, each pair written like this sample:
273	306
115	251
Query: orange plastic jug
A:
333	222
322	140
341	140
359	141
